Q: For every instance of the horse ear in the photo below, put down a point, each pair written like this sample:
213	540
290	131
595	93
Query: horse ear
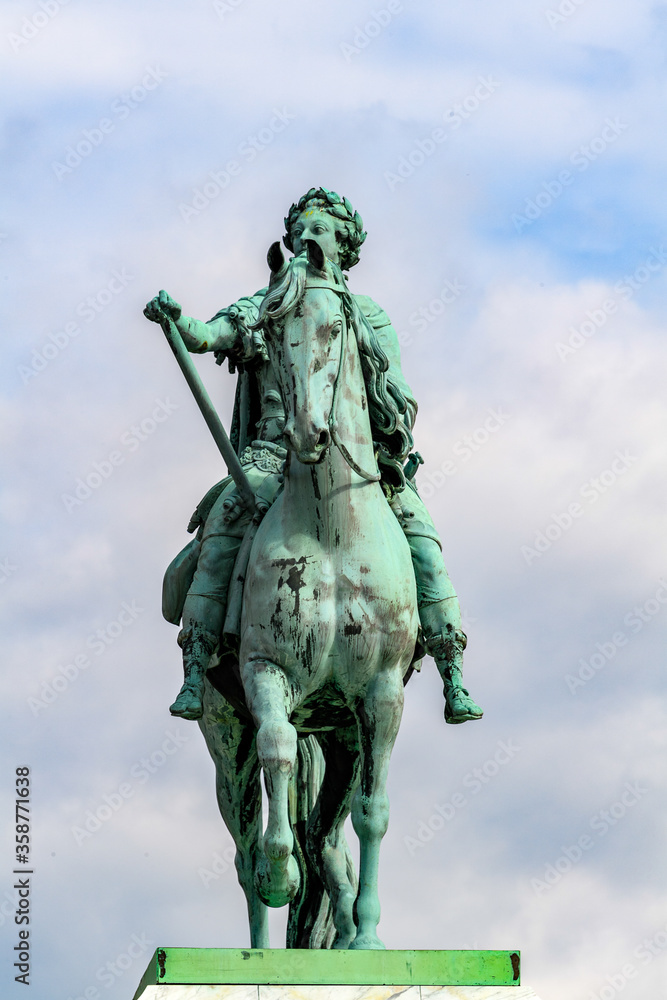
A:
275	258
315	255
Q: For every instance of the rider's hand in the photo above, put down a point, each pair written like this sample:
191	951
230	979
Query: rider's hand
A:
162	305
233	507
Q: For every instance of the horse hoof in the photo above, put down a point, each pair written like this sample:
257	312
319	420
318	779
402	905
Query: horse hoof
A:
275	887
367	942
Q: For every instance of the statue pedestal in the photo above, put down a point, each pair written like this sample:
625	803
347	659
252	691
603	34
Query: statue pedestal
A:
292	974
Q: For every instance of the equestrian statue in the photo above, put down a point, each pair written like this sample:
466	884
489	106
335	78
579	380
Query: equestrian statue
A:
315	581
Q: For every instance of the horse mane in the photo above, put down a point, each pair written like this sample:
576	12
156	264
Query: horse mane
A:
286	289
386	402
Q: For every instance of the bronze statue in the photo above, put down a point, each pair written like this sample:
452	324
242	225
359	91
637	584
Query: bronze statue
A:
302	594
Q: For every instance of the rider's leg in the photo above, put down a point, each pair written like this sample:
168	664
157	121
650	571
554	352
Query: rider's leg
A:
439	610
445	642
205	606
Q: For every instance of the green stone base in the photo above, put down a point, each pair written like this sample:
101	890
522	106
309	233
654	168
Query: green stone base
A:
296	967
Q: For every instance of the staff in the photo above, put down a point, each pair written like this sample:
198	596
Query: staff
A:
208	412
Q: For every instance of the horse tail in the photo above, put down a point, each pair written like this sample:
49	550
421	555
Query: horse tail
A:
310	922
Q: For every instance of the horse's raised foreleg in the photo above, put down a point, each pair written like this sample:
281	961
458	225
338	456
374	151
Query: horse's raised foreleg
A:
270	701
379	719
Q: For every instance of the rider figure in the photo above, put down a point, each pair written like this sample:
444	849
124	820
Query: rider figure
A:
257	436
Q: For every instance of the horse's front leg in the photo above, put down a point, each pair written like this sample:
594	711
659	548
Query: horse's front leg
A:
379	719
270	700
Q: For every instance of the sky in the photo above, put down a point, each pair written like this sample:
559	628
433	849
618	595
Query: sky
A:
508	161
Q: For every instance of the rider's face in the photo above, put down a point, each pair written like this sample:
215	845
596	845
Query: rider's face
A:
314	224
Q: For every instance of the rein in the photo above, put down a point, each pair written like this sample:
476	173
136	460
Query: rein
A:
370	477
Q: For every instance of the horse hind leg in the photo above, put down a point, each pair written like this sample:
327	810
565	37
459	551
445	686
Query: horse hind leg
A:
246	839
231	743
379	719
277	874
309	924
326	843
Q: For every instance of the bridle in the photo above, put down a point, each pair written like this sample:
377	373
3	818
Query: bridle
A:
347	312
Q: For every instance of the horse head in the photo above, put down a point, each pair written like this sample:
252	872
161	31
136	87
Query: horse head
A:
305	324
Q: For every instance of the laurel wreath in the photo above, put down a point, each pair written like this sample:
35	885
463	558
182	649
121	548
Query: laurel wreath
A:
340	208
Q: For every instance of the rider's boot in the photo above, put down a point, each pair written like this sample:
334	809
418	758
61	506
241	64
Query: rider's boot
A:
198	645
446	644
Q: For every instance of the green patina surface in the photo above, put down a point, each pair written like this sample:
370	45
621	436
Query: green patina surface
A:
298	967
301	598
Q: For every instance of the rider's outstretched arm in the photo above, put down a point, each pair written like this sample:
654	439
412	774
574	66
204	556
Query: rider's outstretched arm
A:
198	337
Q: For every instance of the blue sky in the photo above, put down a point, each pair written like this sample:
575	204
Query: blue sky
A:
540	383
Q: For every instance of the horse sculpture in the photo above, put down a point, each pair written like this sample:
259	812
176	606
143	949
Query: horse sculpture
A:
329	618
328	628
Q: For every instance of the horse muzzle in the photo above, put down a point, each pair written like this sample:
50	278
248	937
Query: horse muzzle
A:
309	445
